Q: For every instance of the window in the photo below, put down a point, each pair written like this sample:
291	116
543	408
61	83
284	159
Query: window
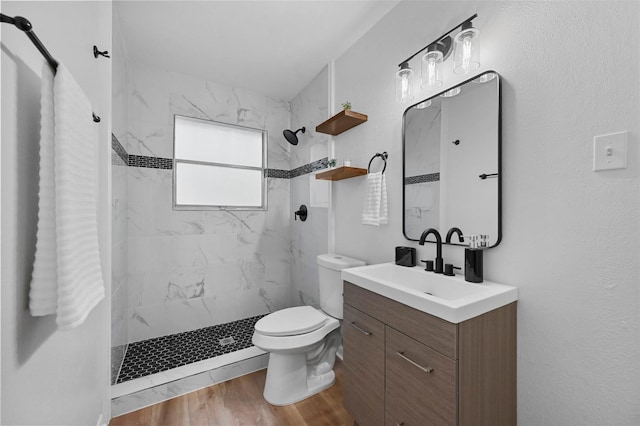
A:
218	166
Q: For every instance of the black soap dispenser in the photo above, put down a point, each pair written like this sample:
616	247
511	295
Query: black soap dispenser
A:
473	258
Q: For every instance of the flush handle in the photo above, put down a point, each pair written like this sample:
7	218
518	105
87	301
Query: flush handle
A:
425	369
353	324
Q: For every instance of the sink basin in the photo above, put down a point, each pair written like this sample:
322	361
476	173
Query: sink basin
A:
451	298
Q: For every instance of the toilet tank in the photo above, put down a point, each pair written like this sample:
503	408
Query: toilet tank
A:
329	267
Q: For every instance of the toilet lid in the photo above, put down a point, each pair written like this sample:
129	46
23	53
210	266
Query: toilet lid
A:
291	321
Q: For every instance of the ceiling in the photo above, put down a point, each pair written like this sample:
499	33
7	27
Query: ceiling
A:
272	47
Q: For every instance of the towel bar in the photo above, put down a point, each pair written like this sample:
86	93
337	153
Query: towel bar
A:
24	25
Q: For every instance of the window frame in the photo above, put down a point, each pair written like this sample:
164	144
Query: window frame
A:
262	169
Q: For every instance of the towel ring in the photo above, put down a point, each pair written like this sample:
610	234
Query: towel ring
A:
384	157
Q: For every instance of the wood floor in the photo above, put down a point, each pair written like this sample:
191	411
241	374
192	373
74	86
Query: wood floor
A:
240	402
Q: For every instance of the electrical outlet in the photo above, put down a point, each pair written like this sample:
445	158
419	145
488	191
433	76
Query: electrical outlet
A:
610	151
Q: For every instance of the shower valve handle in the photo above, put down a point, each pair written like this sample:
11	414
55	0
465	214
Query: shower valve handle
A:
302	212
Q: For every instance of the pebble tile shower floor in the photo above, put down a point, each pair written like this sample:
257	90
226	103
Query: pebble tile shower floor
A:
164	353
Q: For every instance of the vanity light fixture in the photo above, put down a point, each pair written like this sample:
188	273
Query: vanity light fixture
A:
432	65
466	59
403	83
467	50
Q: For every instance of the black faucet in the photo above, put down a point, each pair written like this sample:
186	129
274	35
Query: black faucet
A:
439	261
452	231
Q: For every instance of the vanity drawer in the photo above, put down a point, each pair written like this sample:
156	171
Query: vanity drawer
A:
363	360
432	331
413	395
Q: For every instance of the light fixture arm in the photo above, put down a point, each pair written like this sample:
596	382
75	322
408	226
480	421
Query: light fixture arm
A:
475	15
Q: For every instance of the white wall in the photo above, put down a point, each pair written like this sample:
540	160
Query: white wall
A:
50	377
571	237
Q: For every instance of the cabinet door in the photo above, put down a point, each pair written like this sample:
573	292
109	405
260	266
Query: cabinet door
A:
421	383
363	385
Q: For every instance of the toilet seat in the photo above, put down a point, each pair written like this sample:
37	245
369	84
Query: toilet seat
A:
291	322
294	342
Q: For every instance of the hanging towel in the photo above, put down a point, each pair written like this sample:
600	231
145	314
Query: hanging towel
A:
374	211
67	278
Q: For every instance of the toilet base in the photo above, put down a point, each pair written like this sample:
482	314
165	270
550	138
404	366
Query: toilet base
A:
294	376
289	380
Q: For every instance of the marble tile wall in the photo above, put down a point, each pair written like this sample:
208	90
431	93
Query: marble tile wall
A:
192	269
119	207
309	238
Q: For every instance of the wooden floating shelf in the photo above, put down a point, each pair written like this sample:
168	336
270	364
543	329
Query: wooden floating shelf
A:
341	122
340	173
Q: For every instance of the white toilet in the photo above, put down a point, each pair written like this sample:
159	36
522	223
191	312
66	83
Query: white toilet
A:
302	341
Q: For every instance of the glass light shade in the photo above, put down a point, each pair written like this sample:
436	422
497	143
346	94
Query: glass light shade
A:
485	77
423	105
403	84
431	69
451	93
467	50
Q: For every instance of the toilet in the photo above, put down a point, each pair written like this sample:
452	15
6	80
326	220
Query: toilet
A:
302	341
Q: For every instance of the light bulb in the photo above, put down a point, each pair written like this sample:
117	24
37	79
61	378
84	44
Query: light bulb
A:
466	54
466	50
431	63
403	83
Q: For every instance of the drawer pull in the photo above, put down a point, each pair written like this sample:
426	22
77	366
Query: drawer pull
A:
353	324
425	369
400	424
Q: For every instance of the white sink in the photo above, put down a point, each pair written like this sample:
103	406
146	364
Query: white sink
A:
451	298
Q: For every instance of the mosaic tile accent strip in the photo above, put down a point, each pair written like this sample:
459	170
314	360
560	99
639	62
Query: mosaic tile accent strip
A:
164	353
277	173
432	177
132	160
150	162
323	163
119	149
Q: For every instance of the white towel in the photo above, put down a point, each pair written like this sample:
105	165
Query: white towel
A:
374	211
67	278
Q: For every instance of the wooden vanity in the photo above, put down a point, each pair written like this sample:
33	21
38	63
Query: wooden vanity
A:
406	367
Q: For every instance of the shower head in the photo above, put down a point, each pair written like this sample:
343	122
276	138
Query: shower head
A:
292	136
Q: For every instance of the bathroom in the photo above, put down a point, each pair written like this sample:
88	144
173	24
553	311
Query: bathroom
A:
570	236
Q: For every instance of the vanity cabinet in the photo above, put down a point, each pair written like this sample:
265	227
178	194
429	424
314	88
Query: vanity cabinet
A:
405	367
363	337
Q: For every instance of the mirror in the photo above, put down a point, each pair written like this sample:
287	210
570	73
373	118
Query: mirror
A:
451	162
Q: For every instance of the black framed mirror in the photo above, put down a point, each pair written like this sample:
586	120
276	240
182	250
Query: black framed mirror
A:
452	174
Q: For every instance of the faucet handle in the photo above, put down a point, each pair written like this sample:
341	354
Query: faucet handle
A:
428	265
448	269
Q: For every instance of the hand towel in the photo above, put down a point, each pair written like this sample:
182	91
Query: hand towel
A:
374	211
67	278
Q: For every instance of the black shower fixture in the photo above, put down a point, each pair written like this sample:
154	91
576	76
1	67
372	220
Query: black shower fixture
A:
292	136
